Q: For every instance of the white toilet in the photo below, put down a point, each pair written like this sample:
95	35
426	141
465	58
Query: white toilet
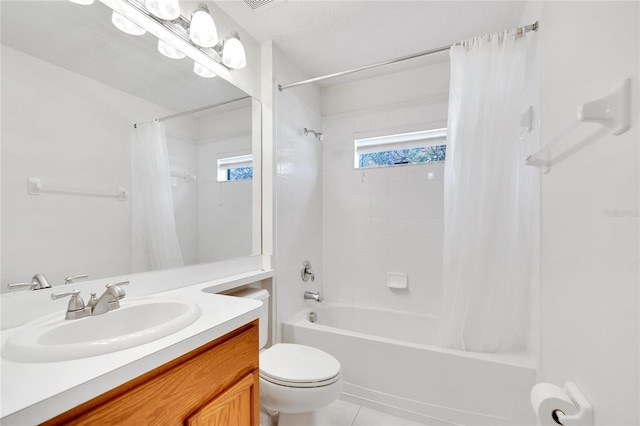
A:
297	381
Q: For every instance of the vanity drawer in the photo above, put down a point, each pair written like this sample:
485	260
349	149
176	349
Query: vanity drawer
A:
214	384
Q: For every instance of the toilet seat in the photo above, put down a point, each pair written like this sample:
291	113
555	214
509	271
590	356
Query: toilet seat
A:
298	366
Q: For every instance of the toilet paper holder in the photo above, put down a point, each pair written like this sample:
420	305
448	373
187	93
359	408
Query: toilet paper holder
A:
569	398
584	417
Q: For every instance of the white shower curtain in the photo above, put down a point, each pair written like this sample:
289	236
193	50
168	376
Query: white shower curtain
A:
487	246
154	229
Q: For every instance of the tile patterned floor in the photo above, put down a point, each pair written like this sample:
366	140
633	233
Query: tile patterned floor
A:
347	414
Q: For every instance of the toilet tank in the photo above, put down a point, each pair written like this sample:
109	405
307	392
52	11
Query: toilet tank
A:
263	296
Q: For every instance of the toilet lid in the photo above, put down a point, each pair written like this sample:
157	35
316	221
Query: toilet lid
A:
297	364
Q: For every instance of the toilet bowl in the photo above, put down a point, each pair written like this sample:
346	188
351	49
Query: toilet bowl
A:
297	381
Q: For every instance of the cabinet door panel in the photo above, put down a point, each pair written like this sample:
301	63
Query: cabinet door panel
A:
234	407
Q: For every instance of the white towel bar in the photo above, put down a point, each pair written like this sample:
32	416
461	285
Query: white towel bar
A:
612	112
35	187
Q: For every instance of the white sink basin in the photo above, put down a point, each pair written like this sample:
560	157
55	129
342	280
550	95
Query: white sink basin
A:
137	321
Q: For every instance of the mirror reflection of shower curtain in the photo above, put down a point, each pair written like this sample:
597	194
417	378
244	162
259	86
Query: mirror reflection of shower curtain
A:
489	194
155	241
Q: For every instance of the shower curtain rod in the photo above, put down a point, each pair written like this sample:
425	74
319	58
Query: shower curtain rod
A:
525	29
193	111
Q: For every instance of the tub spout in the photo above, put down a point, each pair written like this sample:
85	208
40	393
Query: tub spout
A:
312	295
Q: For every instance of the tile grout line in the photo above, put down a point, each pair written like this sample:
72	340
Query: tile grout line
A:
355	418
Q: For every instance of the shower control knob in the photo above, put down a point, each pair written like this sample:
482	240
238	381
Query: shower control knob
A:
307	272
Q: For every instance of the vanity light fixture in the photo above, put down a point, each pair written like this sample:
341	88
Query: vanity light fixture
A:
233	54
164	9
200	33
203	71
202	30
123	24
169	51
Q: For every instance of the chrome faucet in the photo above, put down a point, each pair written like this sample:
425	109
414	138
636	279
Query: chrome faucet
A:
109	299
312	295
107	302
38	282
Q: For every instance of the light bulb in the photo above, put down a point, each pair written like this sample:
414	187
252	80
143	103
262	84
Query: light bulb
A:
164	9
82	2
169	51
203	71
123	24
233	54
203	30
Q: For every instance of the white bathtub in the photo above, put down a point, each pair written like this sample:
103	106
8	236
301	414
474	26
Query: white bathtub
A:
388	363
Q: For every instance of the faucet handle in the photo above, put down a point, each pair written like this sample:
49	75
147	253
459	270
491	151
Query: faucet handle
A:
76	308
69	280
76	303
117	292
31	285
307	272
125	282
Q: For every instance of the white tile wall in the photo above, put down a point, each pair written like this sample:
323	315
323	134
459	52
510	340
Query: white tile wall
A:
298	181
224	208
299	202
382	220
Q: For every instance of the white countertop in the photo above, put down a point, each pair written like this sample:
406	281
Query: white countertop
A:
34	392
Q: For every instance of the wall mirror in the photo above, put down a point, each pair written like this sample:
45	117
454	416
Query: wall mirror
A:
73	85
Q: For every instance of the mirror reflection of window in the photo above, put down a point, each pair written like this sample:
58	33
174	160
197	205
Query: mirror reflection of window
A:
235	168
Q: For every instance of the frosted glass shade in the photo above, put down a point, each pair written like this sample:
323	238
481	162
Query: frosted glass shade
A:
169	51
83	2
123	24
203	30
203	71
164	9
233	54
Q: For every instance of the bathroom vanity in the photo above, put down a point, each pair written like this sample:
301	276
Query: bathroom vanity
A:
214	384
205	373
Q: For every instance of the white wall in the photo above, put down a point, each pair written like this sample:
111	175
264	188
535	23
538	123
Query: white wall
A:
388	219
298	189
224	208
71	132
589	277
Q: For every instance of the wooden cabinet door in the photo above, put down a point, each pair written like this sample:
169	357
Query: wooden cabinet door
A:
233	407
171	394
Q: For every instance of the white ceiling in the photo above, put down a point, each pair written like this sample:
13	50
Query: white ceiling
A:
321	37
328	36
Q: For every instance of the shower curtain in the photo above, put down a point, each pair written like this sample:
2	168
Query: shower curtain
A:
154	229
487	242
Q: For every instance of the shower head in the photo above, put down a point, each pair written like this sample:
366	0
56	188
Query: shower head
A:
318	135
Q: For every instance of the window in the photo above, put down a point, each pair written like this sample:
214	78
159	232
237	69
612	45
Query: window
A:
427	146
235	168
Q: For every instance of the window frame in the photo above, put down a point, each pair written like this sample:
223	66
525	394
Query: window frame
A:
398	141
225	164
